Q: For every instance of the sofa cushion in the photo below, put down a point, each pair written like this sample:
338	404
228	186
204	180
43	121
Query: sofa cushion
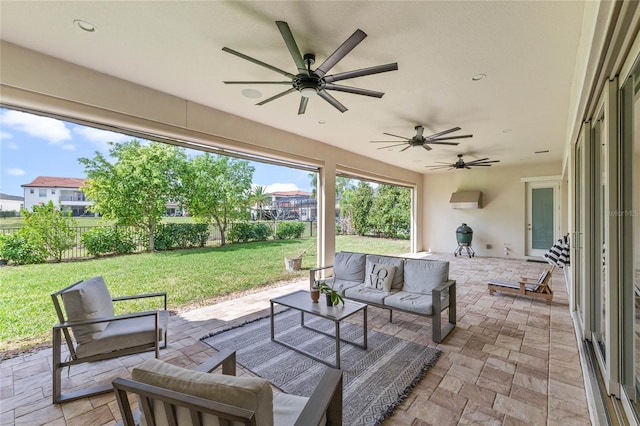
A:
349	266
422	276
89	299
341	285
379	276
251	393
366	294
287	408
414	302
398	275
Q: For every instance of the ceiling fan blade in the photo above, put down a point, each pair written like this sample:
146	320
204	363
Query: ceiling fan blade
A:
292	46
431	138
483	163
361	72
439	167
427	147
467	167
404	149
477	165
401	143
354	90
434	136
257	62
256	82
441	143
391	146
303	105
396	136
340	52
477	161
279	95
333	101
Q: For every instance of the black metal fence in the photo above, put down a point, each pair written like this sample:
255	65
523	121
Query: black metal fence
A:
78	251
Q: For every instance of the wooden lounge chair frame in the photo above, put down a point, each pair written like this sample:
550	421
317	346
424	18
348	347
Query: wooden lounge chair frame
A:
524	287
326	399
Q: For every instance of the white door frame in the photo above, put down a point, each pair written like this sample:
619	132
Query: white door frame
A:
535	183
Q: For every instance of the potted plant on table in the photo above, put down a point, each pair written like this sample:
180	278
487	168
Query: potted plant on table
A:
333	297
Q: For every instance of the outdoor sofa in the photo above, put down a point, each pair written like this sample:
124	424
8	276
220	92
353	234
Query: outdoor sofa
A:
417	286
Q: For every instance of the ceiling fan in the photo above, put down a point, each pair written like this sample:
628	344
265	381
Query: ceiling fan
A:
316	82
424	141
461	164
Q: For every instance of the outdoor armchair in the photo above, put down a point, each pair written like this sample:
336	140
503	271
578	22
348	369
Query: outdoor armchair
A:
92	331
172	395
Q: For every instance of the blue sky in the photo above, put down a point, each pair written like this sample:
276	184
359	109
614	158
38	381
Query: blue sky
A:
32	146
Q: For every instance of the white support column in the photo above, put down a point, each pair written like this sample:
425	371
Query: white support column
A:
326	214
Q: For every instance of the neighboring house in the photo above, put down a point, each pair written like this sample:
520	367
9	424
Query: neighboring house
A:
294	204
10	203
63	191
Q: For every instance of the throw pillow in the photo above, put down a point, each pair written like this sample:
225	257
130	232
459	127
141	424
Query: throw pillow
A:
379	277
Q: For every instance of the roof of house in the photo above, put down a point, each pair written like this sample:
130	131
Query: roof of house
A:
10	197
290	193
56	182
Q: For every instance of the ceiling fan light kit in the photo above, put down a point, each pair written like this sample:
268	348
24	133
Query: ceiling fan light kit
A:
310	83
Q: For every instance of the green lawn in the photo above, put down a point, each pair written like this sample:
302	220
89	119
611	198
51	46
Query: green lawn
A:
188	277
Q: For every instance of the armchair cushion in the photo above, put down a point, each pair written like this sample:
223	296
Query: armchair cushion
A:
124	334
287	408
250	393
87	300
422	276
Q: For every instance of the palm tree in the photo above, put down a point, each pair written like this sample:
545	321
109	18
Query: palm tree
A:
260	198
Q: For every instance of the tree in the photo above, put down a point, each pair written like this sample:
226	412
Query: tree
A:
50	228
391	211
135	189
217	190
259	198
360	201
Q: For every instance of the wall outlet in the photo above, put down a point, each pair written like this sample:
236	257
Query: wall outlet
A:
488	246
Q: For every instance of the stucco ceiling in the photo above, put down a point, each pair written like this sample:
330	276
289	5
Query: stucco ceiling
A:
526	49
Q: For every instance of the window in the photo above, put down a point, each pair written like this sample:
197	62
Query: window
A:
42	192
53	191
31	191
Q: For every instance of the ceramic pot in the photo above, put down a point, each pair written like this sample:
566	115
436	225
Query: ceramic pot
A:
315	295
328	296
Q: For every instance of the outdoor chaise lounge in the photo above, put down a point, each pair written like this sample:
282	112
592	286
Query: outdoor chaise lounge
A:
532	287
93	332
172	395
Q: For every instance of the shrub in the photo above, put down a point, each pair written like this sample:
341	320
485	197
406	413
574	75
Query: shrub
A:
20	249
180	235
51	228
106	240
290	230
245	232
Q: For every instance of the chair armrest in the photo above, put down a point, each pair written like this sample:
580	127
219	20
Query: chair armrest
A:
143	296
326	398
68	324
443	286
225	358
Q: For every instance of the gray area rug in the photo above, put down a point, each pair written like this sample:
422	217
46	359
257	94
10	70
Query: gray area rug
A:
375	380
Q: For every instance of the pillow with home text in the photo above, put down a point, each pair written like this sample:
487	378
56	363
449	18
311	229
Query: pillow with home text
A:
379	277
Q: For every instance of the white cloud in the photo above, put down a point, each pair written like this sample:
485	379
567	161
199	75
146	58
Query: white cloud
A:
15	172
49	129
68	147
100	138
279	187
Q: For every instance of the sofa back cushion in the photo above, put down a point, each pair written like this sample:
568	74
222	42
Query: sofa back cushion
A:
251	393
349	266
422	276
87	300
398	274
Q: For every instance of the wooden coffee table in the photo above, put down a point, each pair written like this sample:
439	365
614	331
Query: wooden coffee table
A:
301	301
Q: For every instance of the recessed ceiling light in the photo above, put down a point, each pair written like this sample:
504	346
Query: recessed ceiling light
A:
84	25
321	122
478	77
251	93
